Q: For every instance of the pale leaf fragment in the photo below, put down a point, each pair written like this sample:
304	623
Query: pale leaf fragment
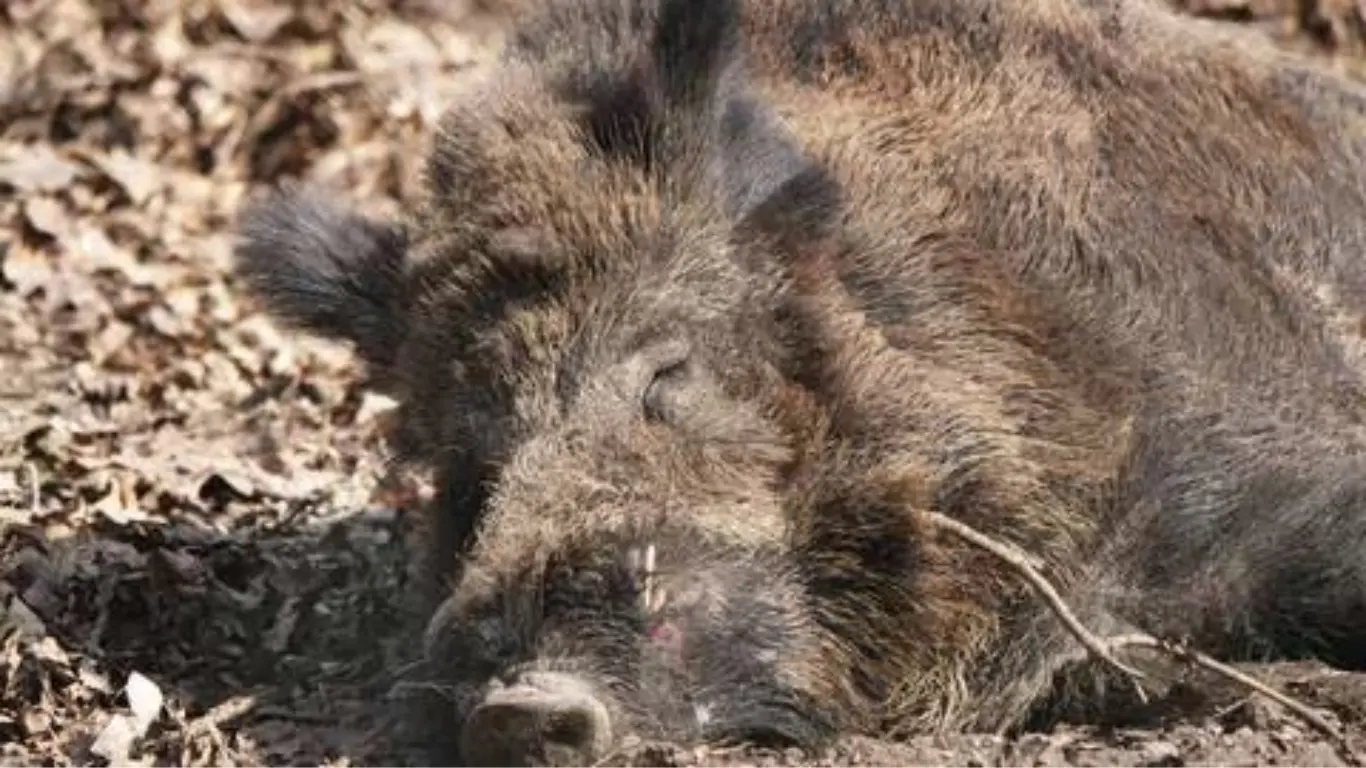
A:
47	649
115	740
254	20
138	178
120	503
373	406
38	169
48	216
27	270
110	341
144	699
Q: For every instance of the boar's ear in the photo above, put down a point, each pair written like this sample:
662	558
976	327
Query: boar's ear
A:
698	56
664	105
694	43
326	269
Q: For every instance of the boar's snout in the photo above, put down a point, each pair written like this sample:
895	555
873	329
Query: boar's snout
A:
543	718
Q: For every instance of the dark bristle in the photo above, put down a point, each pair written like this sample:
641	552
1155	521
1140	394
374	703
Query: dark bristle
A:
324	268
694	41
619	119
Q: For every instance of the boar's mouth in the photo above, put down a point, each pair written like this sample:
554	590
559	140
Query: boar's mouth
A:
571	695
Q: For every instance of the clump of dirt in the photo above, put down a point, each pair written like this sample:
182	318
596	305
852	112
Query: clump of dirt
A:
202	550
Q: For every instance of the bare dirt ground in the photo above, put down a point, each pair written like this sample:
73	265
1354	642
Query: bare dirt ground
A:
201	557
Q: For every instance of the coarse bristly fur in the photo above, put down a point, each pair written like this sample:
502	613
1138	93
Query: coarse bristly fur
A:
708	300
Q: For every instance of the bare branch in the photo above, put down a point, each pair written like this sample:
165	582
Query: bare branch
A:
1024	566
1020	562
1204	661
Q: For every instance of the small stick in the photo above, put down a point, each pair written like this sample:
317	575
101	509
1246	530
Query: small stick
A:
1020	563
1102	649
1191	656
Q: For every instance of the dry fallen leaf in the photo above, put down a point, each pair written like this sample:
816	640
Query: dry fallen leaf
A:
138	178
144	699
31	169
26	270
223	485
48	217
120	502
168	323
374	406
47	649
110	341
36	723
96	251
116	739
391	45
94	680
9	481
255	20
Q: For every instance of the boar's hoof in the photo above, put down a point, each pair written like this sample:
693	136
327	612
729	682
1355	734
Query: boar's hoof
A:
544	718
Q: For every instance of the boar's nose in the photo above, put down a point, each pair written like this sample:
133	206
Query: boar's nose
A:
544	718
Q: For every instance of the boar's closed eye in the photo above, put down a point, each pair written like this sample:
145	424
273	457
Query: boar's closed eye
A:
672	366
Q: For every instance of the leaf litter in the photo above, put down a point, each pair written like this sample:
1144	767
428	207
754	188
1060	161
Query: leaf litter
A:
201	547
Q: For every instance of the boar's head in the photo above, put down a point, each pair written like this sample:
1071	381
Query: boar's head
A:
582	326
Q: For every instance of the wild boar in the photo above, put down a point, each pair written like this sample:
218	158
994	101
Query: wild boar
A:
708	302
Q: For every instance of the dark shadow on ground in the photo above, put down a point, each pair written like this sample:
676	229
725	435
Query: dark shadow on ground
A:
276	647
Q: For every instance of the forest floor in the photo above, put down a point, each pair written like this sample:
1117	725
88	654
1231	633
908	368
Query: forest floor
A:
199	546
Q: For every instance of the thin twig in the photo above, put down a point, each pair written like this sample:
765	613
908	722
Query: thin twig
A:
1020	562
1191	656
1103	649
1224	712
